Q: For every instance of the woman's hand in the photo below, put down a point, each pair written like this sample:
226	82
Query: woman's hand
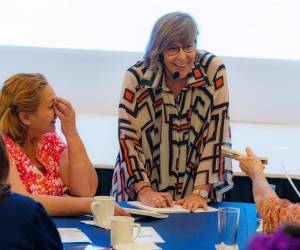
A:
250	164
155	199
120	211
66	114
192	202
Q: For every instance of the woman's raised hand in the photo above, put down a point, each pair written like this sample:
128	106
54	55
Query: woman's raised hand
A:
66	114
250	164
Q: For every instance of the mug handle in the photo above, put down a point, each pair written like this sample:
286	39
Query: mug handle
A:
138	232
93	207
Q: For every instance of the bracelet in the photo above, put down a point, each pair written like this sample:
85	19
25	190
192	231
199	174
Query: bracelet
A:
137	193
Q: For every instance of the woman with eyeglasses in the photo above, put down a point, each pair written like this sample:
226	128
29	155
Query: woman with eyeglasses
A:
173	119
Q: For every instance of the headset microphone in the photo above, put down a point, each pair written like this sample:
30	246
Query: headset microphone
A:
175	75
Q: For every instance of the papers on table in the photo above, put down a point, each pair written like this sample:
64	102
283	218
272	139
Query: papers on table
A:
92	223
134	211
147	235
168	210
137	246
72	235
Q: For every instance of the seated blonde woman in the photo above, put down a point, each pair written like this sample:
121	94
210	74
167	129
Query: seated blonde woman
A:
274	211
60	176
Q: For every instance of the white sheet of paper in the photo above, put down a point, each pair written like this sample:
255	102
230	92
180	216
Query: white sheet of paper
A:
72	235
260	227
137	246
168	210
92	223
147	235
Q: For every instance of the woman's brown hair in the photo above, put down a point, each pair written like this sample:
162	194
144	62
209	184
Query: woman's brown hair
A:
19	93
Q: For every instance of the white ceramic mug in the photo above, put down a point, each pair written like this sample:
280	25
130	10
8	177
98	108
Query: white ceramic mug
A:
103	209
122	230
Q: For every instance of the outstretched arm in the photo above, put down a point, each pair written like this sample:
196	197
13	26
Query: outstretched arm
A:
253	167
56	205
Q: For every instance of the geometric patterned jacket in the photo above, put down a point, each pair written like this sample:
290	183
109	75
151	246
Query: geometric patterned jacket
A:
174	142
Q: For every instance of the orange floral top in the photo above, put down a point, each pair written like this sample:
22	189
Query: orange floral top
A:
48	154
279	212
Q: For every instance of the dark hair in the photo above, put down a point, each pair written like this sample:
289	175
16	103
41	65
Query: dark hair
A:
4	168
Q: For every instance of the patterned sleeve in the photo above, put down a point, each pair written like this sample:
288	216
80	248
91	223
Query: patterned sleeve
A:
131	158
217	169
278	212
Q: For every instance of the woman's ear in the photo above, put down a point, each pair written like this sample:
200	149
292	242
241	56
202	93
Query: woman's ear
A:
24	118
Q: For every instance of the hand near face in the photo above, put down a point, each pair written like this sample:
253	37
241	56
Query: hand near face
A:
250	164
192	202
66	114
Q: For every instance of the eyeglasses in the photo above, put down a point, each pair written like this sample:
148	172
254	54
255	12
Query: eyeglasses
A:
173	50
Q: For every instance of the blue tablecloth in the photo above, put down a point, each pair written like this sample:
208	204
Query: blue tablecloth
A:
192	231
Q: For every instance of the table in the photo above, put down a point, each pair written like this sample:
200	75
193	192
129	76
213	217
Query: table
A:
191	231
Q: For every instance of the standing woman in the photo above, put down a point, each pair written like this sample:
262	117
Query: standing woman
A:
173	120
60	176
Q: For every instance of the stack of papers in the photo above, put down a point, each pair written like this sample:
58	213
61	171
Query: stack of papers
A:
143	212
137	246
168	210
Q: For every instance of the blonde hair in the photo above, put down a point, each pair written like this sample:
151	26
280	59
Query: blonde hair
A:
19	93
173	27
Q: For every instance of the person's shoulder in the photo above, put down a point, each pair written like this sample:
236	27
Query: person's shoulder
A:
142	76
139	66
29	207
8	141
137	70
207	59
16	203
22	201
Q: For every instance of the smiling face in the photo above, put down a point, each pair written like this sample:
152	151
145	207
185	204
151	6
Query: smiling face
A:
179	58
43	119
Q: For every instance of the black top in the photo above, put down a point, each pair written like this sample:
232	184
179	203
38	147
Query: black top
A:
25	224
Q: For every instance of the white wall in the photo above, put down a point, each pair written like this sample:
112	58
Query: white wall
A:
265	107
261	90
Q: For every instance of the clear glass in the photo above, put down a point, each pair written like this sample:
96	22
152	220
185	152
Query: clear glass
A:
228	223
258	217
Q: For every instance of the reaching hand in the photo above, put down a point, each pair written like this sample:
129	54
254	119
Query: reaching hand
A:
155	199
250	164
192	202
65	112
